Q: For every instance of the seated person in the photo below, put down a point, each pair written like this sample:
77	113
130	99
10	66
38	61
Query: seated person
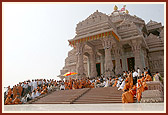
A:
148	77
28	96
17	100
107	82
24	100
127	85
33	95
43	92
122	84
49	87
62	87
92	85
115	83
38	92
8	100
128	96
118	83
145	87
112	82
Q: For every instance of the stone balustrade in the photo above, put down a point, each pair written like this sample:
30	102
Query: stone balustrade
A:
154	94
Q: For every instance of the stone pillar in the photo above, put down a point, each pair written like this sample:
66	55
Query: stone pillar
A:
102	64
93	72
80	64
123	60
117	55
107	44
136	49
146	58
88	64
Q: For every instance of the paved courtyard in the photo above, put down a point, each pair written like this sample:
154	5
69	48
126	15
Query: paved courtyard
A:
87	108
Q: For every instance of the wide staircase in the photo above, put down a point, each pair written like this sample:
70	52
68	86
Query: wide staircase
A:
60	97
100	95
81	96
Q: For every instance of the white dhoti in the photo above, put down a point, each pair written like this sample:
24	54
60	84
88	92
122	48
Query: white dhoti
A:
122	85
118	84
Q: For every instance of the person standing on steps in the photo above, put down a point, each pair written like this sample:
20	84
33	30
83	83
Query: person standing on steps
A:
135	74
139	72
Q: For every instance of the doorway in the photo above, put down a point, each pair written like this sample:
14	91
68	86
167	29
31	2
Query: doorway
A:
98	68
131	63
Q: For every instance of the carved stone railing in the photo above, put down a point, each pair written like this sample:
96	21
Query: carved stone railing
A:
155	85
154	94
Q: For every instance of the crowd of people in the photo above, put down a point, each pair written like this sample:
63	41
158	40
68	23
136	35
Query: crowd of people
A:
132	83
28	90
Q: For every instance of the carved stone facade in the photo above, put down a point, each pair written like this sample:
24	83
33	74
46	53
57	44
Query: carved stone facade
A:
109	44
155	42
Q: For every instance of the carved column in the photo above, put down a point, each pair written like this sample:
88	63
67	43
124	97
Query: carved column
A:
123	60
117	55
107	44
146	58
80	65
102	64
93	63
136	49
88	64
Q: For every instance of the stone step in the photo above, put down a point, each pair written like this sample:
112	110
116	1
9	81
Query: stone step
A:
100	98
82	96
62	102
105	90
104	94
95	100
62	96
100	95
88	102
52	101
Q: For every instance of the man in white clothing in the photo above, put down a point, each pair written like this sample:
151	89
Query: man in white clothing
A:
62	87
122	84
34	84
33	95
139	72
135	74
28	97
118	83
38	93
107	82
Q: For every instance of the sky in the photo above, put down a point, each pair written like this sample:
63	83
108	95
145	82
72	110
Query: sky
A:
35	35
